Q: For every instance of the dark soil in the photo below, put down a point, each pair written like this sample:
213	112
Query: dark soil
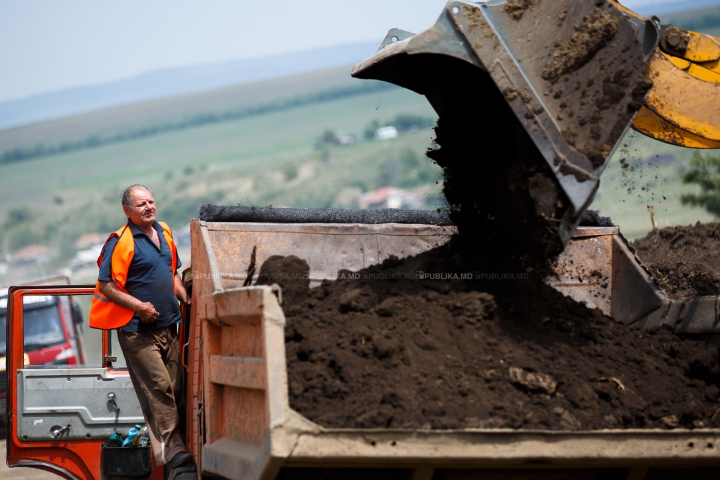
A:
501	350
291	272
684	260
484	354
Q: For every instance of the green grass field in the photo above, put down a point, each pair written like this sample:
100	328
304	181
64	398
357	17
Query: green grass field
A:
247	146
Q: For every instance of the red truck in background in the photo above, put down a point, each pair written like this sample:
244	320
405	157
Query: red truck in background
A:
52	335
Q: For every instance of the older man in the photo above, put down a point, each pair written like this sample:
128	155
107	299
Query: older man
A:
137	294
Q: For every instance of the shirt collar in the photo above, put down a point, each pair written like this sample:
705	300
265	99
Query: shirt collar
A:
136	230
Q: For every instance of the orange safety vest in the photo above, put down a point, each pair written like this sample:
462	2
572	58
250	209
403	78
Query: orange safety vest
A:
104	313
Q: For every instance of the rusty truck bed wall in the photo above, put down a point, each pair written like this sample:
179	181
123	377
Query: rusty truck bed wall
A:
327	248
600	269
243	427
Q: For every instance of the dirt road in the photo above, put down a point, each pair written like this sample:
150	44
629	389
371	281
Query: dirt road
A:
7	473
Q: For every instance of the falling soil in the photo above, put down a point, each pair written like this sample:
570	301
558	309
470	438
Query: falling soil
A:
684	260
509	353
502	193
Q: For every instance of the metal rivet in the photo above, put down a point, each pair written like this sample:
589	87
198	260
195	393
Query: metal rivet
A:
68	378
674	39
88	435
25	437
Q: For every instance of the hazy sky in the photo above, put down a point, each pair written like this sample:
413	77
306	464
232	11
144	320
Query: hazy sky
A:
48	45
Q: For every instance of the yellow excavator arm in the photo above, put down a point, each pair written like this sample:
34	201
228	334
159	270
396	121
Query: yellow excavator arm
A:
685	73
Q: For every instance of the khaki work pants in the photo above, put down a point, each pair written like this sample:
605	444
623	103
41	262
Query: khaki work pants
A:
153	362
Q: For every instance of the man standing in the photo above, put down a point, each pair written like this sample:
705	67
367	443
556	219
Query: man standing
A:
137	293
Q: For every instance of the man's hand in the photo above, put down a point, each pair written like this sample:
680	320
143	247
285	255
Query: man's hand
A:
147	312
180	291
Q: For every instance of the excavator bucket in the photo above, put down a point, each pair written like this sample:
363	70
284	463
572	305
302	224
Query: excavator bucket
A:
572	72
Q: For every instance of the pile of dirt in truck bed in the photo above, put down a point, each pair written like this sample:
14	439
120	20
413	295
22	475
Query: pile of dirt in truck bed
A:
684	260
383	348
500	350
383	352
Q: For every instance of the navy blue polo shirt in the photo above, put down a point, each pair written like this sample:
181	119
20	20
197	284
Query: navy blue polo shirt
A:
150	278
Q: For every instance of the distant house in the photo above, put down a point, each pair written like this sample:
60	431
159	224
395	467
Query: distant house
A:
89	247
88	240
86	257
332	138
393	197
386	133
344	139
32	254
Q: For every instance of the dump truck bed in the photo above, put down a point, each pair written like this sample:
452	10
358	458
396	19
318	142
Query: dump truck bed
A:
242	425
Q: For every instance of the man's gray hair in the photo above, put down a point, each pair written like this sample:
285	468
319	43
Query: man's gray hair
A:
126	194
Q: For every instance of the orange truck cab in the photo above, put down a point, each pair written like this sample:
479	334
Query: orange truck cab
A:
62	407
53	329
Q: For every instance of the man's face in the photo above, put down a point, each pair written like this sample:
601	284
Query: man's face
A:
142	208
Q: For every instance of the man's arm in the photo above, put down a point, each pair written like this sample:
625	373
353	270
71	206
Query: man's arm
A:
145	310
180	291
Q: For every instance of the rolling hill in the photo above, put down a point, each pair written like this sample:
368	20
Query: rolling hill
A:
176	81
165	110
